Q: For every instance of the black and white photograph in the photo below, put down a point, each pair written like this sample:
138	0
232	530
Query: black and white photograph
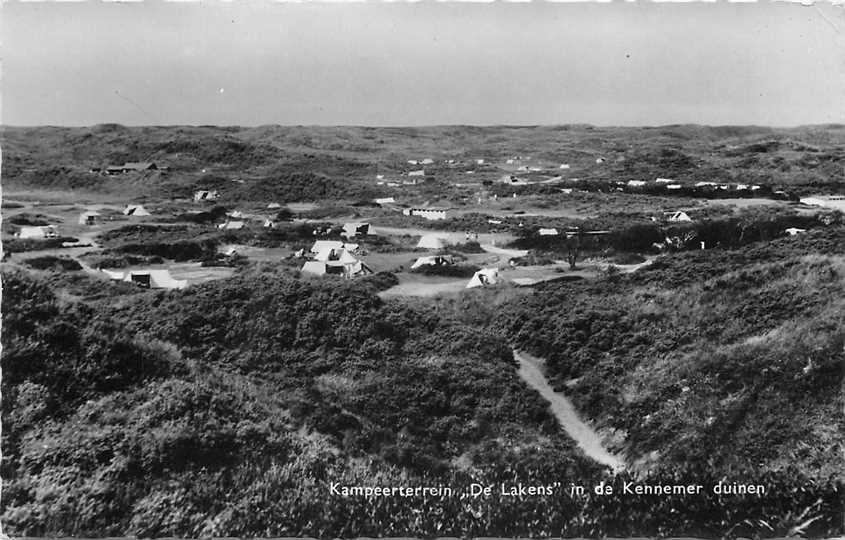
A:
432	269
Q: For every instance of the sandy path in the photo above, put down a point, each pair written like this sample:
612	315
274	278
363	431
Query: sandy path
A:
587	439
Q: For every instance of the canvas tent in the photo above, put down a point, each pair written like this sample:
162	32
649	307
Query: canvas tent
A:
135	210
274	205
152	279
343	265
231	225
547	232
322	245
485	276
431	241
679	217
350	230
38	233
203	195
89	218
433	260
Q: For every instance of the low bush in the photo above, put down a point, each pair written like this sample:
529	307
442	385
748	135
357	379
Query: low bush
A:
51	262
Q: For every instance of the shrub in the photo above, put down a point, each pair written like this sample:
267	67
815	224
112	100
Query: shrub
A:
51	262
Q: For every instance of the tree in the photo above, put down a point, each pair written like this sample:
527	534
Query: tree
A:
573	246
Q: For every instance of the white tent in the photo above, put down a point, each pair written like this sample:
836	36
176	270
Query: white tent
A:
679	216
38	233
350	230
335	254
792	231
432	260
548	232
89	218
154	279
203	195
320	245
135	210
231	225
485	276
345	268
274	205
431	241
564	165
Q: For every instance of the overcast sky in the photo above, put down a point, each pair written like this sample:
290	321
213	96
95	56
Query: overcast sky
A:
246	63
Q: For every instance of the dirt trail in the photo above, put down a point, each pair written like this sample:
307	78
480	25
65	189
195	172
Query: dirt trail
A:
588	440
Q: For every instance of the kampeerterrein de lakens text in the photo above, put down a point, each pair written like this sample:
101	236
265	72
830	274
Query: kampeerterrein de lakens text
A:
475	490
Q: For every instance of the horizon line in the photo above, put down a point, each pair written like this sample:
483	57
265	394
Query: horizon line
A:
430	126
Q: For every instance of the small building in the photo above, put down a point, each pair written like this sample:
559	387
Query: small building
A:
600	160
89	218
484	277
420	172
834	202
636	183
674	186
274	205
705	184
479	162
792	231
44	232
385	200
564	165
427	161
547	232
139	166
135	210
663	181
431	214
203	195
131	166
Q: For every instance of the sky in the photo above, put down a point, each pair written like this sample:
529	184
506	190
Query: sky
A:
426	63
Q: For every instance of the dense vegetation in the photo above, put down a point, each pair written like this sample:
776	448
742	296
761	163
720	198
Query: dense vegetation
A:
725	356
117	414
312	163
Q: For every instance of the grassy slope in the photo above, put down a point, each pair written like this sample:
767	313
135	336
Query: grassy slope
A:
262	156
734	358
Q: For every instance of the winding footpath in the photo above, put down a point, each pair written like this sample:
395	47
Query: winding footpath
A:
530	370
